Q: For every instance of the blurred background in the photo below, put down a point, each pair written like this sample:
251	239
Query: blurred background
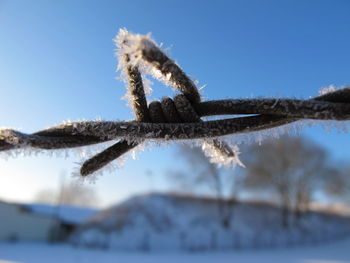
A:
58	62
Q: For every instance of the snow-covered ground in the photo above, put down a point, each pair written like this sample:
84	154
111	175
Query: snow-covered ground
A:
173	222
337	252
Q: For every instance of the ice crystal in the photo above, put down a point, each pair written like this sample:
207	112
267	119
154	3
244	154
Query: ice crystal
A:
216	156
132	45
326	90
259	136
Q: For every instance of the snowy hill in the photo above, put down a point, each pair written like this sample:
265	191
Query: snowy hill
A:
160	221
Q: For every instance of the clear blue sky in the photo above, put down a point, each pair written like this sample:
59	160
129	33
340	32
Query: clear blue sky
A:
57	62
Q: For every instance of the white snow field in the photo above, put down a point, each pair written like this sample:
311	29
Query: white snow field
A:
159	222
336	252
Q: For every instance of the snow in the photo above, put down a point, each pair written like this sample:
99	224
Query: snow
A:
66	213
337	252
159	222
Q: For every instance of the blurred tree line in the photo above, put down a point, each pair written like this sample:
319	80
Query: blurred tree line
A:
69	193
290	172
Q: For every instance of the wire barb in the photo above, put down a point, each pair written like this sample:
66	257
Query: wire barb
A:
178	118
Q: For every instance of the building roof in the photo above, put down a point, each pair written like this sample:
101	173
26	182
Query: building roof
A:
65	213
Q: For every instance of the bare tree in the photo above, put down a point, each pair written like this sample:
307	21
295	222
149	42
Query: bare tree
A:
69	194
47	196
201	174
291	167
337	185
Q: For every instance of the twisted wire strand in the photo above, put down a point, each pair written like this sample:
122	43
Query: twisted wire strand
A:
139	104
275	112
178	118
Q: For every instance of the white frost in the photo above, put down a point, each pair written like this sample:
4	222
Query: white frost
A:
216	156
132	45
329	89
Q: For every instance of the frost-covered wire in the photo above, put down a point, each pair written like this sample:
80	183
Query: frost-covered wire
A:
178	118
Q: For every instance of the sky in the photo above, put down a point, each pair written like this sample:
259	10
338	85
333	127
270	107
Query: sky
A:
57	62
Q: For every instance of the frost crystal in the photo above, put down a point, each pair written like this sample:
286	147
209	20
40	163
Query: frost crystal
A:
329	89
216	156
133	45
129	51
129	44
259	136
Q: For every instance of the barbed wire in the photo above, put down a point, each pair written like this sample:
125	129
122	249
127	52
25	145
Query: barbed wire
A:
174	119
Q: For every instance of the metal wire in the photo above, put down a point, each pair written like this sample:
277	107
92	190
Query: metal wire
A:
178	118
